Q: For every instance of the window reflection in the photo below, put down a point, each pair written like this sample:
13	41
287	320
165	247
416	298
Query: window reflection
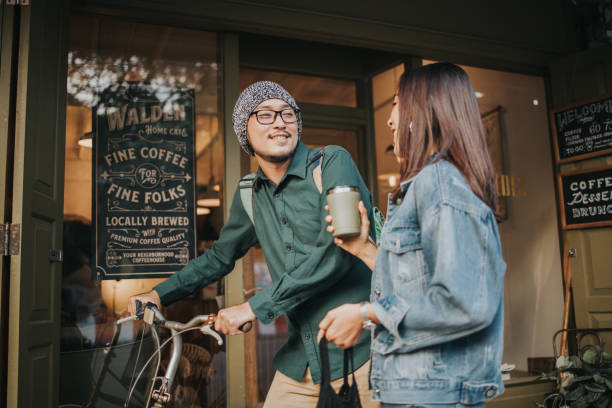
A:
102	52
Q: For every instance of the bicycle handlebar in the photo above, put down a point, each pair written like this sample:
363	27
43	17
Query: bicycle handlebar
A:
204	321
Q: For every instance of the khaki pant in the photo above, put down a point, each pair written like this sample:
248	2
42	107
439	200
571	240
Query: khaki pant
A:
286	392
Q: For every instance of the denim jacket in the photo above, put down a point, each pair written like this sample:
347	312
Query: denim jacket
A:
437	288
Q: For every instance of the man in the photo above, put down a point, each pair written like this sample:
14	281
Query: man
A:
310	274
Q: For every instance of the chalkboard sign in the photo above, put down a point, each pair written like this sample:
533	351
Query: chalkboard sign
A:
144	187
583	130
586	198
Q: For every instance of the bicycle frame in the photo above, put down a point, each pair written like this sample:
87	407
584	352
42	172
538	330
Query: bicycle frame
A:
153	317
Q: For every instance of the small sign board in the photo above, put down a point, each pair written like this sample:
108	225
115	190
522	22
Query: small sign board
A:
583	130
143	180
586	198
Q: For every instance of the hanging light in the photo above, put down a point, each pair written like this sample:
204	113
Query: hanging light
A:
86	140
202	211
208	197
209	200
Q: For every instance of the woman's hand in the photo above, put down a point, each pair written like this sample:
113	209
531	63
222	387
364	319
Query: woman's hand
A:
353	245
360	246
342	326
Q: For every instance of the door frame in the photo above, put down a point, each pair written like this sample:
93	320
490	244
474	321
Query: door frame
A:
36	204
8	49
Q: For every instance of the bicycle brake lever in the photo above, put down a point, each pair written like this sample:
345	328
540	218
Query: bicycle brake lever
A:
205	329
139	308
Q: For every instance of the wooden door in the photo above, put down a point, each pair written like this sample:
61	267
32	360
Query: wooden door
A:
574	79
37	197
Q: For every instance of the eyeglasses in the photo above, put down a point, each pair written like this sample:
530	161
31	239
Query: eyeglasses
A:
268	117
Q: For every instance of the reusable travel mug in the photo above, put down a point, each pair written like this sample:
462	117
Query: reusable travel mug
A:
342	202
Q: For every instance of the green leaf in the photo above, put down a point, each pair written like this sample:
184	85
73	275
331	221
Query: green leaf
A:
598	379
579	403
609	383
595	388
575	394
591	355
567	380
603	402
575	361
583	378
562	362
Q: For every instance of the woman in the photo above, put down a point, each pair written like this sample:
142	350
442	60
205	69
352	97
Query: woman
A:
437	285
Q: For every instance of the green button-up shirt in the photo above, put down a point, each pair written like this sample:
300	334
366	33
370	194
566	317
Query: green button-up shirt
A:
310	274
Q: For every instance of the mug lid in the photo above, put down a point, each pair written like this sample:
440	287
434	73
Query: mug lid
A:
342	189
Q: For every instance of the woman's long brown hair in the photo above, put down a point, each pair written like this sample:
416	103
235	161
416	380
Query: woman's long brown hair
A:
439	101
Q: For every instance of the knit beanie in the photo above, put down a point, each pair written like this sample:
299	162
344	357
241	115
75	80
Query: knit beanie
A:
248	101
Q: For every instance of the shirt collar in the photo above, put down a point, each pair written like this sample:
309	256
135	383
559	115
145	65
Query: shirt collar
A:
297	166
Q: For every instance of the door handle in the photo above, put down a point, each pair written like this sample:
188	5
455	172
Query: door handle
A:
56	255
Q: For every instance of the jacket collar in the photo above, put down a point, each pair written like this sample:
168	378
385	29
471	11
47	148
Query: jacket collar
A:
404	184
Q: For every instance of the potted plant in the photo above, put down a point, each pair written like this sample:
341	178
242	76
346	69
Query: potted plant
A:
583	381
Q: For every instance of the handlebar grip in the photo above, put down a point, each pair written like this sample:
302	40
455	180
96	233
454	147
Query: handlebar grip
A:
150	305
246	327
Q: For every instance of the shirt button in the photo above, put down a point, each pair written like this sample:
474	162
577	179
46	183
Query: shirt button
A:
377	293
307	336
284	220
270	315
288	247
276	195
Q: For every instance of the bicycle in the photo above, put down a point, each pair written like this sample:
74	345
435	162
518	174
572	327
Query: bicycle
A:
161	395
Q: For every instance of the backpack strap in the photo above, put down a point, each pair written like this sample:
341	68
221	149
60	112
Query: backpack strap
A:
246	194
317	161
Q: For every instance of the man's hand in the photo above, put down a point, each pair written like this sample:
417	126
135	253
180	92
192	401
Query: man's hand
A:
342	326
231	319
144	298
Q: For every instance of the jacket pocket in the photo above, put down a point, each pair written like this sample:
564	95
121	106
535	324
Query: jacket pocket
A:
398	364
401	238
402	252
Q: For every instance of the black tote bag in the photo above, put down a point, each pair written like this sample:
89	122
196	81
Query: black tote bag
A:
348	396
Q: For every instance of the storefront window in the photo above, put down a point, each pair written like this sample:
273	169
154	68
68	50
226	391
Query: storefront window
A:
514	113
106	54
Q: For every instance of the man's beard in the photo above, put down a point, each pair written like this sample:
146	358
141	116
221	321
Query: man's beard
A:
275	159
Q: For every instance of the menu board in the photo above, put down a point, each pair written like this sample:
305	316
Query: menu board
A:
586	198
143	180
583	130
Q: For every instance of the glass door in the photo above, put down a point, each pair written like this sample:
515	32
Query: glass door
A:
107	55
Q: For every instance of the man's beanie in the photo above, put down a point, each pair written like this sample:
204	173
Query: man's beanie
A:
248	101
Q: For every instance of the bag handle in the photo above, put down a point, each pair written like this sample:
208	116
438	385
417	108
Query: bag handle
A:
324	361
348	359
